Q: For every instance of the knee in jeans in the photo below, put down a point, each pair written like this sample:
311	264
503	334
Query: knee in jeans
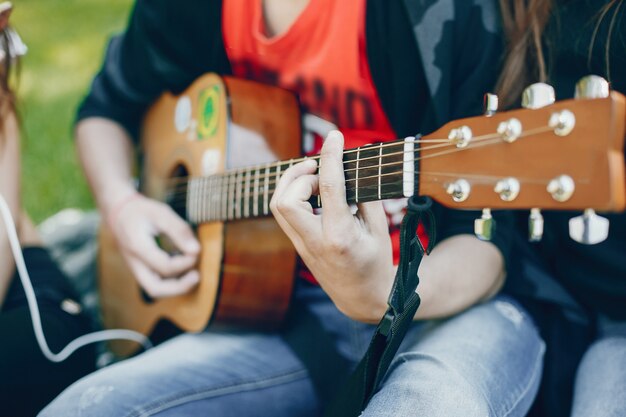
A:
427	386
606	351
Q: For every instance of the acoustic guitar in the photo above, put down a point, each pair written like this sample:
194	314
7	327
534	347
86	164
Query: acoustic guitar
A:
211	154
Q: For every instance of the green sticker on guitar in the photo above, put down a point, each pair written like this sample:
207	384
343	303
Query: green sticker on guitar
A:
209	112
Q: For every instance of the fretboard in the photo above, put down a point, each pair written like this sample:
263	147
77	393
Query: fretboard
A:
373	172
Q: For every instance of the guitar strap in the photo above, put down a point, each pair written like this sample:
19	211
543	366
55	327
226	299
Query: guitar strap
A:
403	303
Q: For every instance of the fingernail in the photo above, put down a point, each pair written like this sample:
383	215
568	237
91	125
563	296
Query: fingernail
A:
334	135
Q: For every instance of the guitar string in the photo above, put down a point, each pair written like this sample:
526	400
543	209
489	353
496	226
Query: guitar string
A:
474	144
249	190
236	204
219	178
393	143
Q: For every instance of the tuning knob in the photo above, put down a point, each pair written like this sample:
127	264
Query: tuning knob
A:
485	227
592	86
561	188
490	104
589	229
535	225
538	95
459	190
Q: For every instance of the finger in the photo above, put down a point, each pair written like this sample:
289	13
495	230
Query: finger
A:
169	223
374	217
158	287
294	208
145	249
332	184
306	167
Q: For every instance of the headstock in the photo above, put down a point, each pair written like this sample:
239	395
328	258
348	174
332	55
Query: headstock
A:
566	155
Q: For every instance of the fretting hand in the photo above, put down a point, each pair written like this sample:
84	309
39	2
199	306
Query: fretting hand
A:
350	255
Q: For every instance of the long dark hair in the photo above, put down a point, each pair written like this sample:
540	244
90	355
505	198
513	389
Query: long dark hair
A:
524	22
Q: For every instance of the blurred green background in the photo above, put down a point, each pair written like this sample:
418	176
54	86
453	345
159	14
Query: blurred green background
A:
66	41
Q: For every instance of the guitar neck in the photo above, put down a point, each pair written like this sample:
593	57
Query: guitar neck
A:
373	172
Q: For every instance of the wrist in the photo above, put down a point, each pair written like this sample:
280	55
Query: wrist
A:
368	304
108	197
114	202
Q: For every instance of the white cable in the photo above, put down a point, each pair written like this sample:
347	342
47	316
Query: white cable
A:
34	308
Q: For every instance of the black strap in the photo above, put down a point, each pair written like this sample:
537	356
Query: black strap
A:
403	303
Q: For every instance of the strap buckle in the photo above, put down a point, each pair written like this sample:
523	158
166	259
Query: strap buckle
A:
385	324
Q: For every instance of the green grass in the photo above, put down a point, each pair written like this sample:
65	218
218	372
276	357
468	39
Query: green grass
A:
66	40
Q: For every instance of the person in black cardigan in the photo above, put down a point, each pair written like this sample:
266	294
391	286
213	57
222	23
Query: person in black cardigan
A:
430	62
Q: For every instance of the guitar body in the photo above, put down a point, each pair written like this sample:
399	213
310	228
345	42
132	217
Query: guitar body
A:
246	267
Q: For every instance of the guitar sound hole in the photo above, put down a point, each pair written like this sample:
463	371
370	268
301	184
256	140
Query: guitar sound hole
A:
146	298
176	196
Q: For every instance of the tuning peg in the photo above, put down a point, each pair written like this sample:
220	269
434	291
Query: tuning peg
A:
490	104
535	225
459	190
592	86
589	229
561	188
485	227
537	95
508	188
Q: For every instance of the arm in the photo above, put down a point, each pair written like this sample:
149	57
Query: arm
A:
157	52
351	255
10	190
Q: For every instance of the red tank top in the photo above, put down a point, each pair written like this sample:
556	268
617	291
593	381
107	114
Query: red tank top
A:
320	57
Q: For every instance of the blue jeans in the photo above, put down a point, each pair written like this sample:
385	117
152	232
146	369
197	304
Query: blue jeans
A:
486	361
600	386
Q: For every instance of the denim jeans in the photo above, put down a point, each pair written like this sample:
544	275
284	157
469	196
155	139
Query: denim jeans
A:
600	386
486	361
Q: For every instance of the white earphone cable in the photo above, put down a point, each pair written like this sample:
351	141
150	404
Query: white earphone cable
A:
113	334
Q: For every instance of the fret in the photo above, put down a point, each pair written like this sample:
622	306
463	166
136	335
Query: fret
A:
358	159
246	207
277	177
209	198
189	201
369	173
266	188
255	193
196	202
199	200
224	196
203	196
231	196
408	167
380	162
350	172
238	194
215	198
